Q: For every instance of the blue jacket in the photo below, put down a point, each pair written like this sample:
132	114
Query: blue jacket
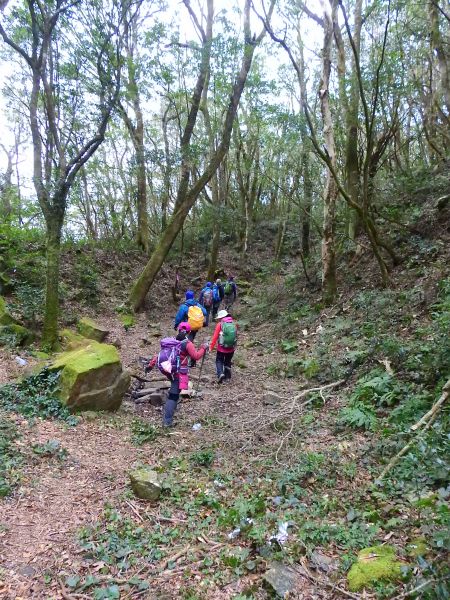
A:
182	314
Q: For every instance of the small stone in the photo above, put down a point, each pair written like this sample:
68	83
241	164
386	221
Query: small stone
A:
116	342
283	580
90	329
323	562
271	398
378	563
156	399
145	483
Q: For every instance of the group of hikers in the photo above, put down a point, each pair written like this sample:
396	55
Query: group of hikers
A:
177	355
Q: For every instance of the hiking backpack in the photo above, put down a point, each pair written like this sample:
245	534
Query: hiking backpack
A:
228	288
169	356
228	334
195	317
216	293
207	297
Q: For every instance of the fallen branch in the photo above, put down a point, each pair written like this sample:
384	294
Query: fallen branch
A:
435	408
174	558
134	509
326	582
425	423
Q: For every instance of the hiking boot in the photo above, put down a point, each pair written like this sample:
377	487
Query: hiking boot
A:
221	378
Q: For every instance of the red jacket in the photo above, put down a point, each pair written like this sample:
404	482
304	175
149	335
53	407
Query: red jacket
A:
216	334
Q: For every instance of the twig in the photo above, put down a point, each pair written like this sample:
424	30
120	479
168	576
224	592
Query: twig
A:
327	583
416	589
436	407
425	423
134	509
174	558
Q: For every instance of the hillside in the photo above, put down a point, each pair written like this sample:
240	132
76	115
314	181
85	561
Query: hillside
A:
284	472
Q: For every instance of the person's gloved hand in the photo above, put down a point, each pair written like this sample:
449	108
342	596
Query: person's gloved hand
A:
206	347
147	369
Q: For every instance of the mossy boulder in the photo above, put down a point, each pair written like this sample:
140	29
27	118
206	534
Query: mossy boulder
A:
5	317
378	563
145	483
70	340
92	377
21	335
92	330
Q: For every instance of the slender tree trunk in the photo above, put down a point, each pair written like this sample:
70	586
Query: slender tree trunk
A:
50	331
186	197
352	174
215	241
329	287
438	46
306	153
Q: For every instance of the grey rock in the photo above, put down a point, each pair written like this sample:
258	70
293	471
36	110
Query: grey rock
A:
283	580
271	398
145	483
323	562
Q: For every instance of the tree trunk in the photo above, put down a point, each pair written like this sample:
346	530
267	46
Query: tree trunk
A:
352	174
329	288
186	197
50	332
438	49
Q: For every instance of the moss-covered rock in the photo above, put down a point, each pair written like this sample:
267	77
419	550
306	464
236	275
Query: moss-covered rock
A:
5	317
70	340
92	330
378	563
91	378
17	333
145	483
418	547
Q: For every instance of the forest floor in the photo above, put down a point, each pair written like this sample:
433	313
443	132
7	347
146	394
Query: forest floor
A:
273	475
56	499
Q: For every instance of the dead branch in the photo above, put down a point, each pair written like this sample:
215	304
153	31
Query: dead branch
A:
425	423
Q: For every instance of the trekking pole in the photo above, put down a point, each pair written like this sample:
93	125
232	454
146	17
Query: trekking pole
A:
199	375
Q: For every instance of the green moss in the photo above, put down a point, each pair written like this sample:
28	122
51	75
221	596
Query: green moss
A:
90	329
378	563
5	317
91	377
71	340
417	547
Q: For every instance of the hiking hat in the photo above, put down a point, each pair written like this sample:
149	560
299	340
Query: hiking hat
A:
184	326
190	295
221	314
208	284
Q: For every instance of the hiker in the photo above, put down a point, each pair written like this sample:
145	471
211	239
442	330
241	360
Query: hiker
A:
230	293
173	362
217	297
206	299
225	335
192	312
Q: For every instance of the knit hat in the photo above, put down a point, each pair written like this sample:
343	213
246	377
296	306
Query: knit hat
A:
208	284
190	295
184	326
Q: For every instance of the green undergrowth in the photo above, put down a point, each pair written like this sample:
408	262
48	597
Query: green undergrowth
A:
36	396
10	455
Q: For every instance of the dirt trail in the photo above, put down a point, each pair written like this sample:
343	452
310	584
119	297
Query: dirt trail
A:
38	524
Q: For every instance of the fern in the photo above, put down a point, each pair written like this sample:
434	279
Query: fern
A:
359	415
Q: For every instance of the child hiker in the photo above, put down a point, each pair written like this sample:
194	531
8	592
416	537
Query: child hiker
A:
225	335
172	361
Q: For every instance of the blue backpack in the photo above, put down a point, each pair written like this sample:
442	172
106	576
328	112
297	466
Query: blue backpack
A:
216	293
